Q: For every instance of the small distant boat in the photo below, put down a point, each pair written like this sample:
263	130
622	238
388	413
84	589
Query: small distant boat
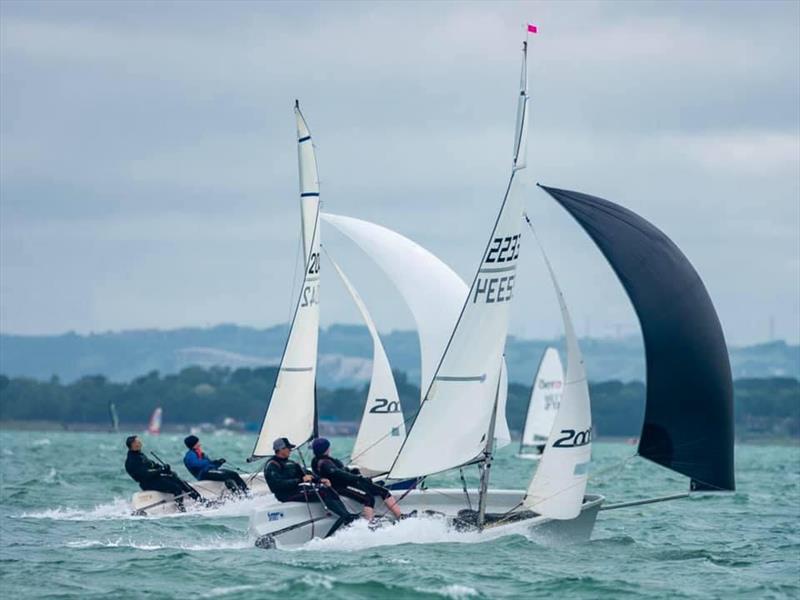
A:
113	416
543	405
154	426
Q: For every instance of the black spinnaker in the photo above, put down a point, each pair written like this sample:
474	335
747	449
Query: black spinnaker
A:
688	422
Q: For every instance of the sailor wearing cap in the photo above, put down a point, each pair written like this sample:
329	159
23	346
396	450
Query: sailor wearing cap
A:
291	483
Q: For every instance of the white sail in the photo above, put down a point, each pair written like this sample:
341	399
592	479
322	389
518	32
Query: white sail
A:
419	276
502	435
558	487
382	428
545	400
453	420
292	407
412	269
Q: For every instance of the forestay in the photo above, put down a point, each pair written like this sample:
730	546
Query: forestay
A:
415	272
558	487
382	428
452	424
544	401
292	407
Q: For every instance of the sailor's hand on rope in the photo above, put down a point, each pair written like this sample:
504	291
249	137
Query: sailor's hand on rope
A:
308	478
325	482
167	469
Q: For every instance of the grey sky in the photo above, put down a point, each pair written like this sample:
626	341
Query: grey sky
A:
148	163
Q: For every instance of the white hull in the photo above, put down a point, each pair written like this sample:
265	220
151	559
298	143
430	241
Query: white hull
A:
289	524
152	503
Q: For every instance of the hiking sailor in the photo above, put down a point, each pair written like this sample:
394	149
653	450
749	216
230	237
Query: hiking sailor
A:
199	464
350	482
291	483
152	476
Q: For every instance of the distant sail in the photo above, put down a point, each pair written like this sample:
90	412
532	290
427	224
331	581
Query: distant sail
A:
688	422
154	427
112	414
292	407
548	385
382	428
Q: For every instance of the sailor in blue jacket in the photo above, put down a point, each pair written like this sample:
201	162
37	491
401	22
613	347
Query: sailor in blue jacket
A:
203	468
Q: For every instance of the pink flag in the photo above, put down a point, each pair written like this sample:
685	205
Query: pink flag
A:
532	28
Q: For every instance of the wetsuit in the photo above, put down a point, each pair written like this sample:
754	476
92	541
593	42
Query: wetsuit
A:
203	468
348	482
284	478
155	477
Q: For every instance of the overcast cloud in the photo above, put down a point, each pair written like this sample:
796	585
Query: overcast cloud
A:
148	166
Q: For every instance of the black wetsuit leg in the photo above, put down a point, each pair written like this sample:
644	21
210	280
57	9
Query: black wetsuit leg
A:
231	479
358	494
373	489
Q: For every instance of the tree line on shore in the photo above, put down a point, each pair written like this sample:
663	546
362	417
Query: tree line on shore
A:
766	406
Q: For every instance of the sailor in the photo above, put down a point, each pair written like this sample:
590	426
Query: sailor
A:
152	476
199	464
349	482
291	483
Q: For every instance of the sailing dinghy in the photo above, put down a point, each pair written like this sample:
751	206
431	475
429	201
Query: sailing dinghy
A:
292	410
543	405
689	432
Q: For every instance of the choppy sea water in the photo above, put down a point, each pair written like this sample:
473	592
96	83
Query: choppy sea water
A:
66	531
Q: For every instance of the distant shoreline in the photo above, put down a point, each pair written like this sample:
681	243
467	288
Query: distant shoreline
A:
180	429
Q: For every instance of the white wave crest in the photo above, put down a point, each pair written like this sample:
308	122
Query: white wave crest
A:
198	546
116	509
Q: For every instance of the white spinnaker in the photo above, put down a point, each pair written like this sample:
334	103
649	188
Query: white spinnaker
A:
558	487
545	399
453	420
432	290
292	407
382	428
414	270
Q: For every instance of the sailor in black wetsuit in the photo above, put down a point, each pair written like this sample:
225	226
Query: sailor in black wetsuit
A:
290	483
152	476
350	482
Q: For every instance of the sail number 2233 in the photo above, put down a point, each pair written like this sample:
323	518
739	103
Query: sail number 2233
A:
495	282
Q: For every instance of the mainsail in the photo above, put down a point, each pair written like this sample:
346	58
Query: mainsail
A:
545	399
413	270
558	487
454	423
292	407
382	428
688	422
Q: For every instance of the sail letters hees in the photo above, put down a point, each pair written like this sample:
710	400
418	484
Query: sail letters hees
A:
688	423
292	408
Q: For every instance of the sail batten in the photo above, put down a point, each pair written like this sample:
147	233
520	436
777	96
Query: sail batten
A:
688	423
